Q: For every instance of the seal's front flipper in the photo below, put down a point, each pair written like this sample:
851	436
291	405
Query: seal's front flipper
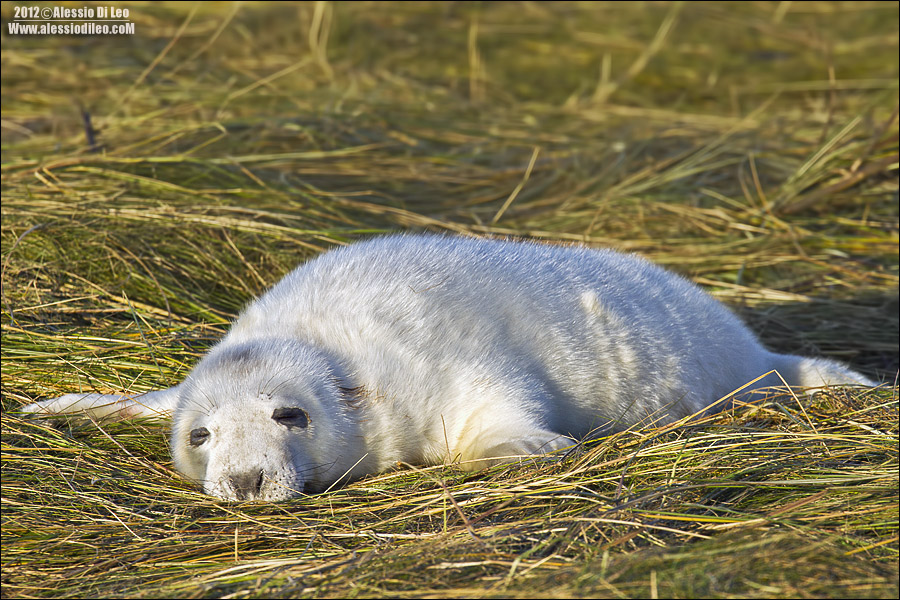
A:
509	445
155	405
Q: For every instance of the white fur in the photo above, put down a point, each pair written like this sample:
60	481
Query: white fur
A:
429	350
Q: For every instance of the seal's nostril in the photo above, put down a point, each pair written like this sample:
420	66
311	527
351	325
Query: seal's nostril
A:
247	485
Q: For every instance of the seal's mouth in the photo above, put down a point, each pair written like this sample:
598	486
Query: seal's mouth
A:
256	485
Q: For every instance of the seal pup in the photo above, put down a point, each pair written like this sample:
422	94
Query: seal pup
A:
429	349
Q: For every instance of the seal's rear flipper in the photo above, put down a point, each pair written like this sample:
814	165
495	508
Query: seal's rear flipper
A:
154	405
816	372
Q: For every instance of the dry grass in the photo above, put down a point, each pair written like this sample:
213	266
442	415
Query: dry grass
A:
750	146
770	500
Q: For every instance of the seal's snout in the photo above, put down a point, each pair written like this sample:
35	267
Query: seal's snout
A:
247	485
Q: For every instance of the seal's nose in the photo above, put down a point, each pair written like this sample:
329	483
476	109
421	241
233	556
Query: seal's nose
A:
247	485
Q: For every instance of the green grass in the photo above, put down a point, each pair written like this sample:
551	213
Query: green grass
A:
749	146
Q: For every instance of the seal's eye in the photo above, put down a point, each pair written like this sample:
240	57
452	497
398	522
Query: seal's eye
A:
199	435
291	417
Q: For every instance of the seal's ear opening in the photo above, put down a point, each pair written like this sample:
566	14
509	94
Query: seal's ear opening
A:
351	395
291	417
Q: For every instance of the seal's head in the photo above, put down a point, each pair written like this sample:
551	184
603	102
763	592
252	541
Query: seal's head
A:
264	420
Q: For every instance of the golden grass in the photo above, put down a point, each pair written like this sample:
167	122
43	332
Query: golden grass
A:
805	491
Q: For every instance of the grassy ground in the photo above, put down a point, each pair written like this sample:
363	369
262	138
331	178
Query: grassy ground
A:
749	146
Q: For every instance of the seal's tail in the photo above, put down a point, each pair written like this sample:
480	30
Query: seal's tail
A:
799	371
